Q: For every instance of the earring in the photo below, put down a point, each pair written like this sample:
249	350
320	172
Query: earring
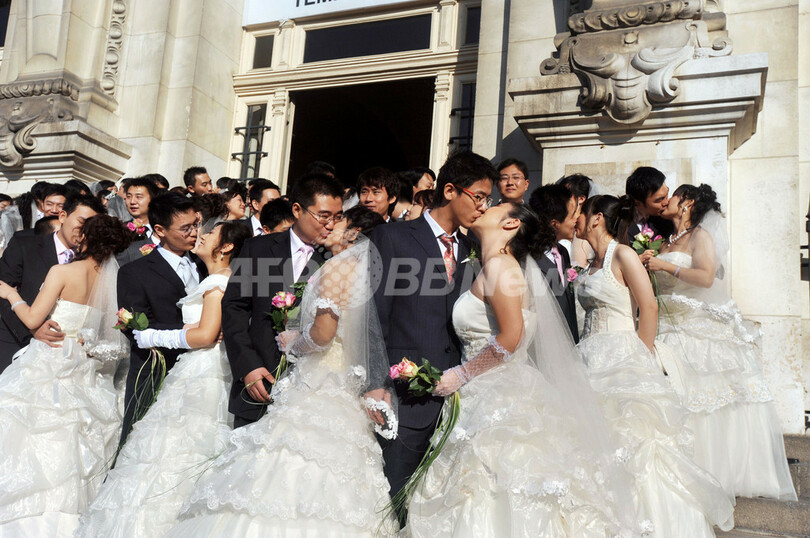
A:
684	211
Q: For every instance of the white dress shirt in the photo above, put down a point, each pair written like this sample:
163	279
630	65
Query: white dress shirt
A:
438	231
256	226
63	253
301	254
176	262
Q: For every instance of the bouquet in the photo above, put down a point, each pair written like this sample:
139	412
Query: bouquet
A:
646	240
137	321
286	308
421	382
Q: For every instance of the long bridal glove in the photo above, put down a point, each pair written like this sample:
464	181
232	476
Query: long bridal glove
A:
169	339
453	379
299	346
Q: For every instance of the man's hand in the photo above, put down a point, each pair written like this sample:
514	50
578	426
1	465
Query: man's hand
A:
255	386
375	414
51	333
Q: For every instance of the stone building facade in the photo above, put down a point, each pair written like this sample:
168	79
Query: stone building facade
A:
714	91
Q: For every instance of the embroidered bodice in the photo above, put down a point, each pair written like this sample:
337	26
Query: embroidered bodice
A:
668	284
71	317
475	325
606	300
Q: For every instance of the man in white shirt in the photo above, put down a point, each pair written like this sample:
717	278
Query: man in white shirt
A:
260	192
513	180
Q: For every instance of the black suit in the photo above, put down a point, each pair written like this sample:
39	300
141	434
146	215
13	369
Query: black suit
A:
561	289
659	225
149	285
263	268
24	265
417	324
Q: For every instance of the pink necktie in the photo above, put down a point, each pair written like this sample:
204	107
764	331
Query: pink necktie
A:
300	260
449	256
558	261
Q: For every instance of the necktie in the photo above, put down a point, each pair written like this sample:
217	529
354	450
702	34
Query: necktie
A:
68	256
558	261
449	255
187	274
300	260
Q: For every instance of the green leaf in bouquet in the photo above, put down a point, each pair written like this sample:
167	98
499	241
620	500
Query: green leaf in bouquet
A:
140	322
656	245
278	320
293	313
638	247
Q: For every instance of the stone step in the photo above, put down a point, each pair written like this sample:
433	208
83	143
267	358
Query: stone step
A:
800	472
788	518
797	447
736	533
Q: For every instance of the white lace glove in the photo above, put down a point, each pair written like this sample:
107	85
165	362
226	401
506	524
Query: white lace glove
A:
303	344
454	378
169	339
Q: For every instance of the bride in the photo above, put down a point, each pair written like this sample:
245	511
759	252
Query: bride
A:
311	465
529	454
716	370
678	497
189	423
59	415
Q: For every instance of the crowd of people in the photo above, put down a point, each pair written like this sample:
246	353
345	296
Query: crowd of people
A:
225	359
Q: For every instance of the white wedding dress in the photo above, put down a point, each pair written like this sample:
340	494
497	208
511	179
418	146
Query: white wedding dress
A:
60	420
714	368
511	466
678	497
172	445
310	466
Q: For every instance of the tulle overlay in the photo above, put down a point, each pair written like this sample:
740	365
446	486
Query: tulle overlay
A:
59	426
171	447
678	497
714	367
310	467
510	467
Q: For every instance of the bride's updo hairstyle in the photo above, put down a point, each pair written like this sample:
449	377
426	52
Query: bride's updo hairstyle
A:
617	212
704	197
363	218
534	237
234	233
104	236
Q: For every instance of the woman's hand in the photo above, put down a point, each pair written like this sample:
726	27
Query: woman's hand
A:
285	339
448	384
6	291
655	264
646	256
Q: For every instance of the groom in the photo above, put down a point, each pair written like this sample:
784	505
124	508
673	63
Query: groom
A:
153	285
423	273
647	187
266	265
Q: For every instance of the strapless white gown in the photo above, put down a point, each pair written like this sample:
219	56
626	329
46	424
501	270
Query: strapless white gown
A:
59	427
715	371
310	466
510	467
172	445
677	496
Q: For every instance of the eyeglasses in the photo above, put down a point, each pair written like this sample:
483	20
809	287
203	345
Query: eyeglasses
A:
514	177
324	219
479	200
186	230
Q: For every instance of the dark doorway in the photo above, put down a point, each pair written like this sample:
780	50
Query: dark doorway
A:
357	127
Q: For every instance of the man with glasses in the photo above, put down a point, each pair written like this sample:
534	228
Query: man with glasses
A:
266	265
423	275
153	285
513	180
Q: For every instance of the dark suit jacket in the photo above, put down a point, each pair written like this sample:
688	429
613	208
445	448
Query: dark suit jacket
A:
562	290
24	265
263	268
150	285
418	323
659	225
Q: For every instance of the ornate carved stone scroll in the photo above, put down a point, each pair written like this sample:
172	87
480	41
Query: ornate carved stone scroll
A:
626	56
115	41
16	140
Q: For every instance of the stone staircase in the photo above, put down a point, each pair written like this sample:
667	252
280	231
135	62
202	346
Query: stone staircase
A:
767	517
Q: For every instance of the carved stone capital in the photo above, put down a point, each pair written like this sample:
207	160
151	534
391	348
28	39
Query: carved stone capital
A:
597	20
31	88
16	140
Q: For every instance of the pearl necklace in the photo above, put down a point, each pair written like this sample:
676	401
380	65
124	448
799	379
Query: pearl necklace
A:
681	234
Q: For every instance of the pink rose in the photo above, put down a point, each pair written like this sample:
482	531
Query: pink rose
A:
572	274
648	232
408	369
395	371
657	238
131	226
146	249
124	316
280	299
289	299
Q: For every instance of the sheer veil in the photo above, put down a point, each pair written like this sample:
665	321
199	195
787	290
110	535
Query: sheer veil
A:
10	222
552	351
117	208
343	286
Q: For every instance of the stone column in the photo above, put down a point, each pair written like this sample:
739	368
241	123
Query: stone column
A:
648	82
442	104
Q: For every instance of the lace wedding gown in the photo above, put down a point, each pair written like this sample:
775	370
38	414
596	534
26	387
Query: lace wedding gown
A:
510	466
172	445
310	466
59	427
677	496
714	369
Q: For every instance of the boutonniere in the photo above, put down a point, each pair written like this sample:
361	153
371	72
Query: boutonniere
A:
471	257
137	227
147	249
573	273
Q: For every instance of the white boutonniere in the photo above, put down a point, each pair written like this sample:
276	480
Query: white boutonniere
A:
471	257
